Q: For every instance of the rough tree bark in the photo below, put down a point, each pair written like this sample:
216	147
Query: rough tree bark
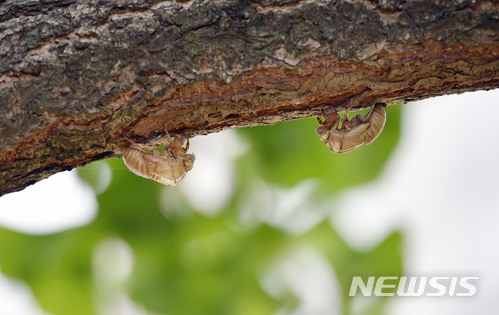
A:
79	77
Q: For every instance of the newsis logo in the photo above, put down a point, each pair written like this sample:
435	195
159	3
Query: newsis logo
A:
415	286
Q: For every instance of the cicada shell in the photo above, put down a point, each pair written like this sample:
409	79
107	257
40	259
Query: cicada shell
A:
352	133
167	168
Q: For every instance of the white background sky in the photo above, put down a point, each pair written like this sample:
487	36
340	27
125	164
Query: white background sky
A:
440	187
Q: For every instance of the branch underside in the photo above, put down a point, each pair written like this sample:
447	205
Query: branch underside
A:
76	80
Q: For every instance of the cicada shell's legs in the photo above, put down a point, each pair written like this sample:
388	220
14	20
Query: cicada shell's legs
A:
331	119
174	142
369	114
319	120
367	117
344	120
170	139
142	147
178	145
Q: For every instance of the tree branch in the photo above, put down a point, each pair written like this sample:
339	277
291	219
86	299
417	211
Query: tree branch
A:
79	77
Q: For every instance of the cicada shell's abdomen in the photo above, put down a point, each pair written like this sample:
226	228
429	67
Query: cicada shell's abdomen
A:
351	138
167	168
376	124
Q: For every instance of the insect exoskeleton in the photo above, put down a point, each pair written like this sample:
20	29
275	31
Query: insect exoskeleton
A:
167	168
352	133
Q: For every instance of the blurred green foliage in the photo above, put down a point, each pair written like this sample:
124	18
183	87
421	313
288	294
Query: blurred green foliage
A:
194	264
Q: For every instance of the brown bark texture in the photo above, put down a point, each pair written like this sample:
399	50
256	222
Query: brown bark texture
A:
77	78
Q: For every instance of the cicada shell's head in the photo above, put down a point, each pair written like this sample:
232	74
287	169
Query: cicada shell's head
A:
323	133
188	160
175	169
331	123
168	173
